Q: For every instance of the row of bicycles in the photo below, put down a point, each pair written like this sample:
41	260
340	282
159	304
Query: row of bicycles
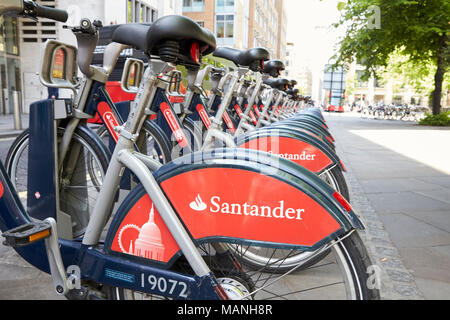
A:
393	112
238	194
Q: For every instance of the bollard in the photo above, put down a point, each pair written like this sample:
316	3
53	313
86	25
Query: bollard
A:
16	110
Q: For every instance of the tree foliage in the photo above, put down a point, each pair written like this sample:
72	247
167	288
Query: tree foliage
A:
405	72
416	29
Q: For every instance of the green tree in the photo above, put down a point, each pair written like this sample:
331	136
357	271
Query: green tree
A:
406	72
416	29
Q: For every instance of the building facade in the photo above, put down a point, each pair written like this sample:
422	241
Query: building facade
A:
227	19
33	35
10	71
282	29
243	24
264	25
373	91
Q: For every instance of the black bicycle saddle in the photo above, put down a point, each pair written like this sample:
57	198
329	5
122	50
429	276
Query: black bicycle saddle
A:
252	58
292	92
173	38
280	84
274	68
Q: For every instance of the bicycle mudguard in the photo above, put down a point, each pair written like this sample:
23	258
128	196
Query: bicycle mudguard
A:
306	128
305	118
309	122
225	196
314	113
96	265
297	146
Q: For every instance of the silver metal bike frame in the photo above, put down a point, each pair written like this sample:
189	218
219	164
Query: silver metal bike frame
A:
125	157
215	132
112	52
273	117
251	102
266	108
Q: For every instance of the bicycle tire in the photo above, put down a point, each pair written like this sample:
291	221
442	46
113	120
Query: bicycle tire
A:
155	140
338	182
351	259
71	201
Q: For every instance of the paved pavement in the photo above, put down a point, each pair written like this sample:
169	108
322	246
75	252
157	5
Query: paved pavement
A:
399	175
18	279
7	128
399	178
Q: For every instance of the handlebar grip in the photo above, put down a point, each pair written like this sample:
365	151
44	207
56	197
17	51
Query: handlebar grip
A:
51	13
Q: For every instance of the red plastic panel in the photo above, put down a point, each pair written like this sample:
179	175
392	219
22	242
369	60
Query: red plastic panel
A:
295	150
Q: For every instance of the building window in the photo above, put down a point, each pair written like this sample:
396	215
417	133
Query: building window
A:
224	5
225	26
193	5
225	29
139	12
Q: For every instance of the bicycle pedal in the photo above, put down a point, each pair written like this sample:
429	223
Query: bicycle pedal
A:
27	234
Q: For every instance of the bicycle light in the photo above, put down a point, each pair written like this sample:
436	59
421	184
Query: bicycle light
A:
195	52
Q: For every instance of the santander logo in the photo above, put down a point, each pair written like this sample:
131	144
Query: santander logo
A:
174	126
229	123
198	204
111	122
247	209
296	157
202	112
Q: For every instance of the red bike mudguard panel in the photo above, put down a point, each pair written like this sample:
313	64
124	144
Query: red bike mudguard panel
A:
143	234
2	190
307	132
295	150
230	203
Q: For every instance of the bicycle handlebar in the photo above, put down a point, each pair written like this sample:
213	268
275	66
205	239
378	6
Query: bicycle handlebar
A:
51	13
31	9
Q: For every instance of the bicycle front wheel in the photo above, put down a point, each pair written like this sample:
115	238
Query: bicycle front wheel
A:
151	142
342	274
80	177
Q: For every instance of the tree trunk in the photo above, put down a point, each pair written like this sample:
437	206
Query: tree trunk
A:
439	77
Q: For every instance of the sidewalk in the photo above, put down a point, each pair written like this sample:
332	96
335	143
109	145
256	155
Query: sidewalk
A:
399	179
7	129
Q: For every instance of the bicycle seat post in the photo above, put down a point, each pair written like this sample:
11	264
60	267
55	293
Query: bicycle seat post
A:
193	76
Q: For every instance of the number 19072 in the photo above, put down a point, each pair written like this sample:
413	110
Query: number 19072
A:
165	286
